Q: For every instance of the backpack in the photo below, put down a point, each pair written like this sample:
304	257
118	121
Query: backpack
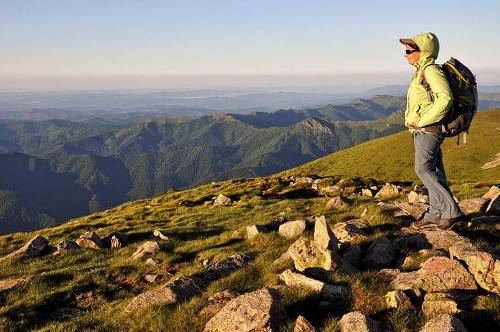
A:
465	100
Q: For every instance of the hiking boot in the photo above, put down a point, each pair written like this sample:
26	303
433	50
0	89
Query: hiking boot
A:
422	223
448	224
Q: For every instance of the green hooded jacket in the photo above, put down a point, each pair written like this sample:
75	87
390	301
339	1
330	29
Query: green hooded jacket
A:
420	111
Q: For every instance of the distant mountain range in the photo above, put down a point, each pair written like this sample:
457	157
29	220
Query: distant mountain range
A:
54	170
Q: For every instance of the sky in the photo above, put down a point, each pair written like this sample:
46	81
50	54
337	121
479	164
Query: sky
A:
226	43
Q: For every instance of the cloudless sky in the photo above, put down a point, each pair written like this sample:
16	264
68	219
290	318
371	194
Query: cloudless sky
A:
108	38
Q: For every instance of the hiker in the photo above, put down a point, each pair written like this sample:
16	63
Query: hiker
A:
422	118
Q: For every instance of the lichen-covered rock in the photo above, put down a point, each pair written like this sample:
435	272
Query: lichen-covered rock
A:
352	254
178	290
437	274
323	234
147	248
356	321
474	206
414	197
444	323
388	190
439	303
366	192
415	210
434	238
380	254
303	325
217	301
90	240
225	266
494	206
33	248
482	265
222	200
257	311
292	229
334	293
398	299
494	190
347	232
67	245
337	203
7	284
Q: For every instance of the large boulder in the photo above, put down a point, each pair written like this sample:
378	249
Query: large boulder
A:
444	323
147	248
414	210
352	254
482	265
35	247
437	274
474	206
257	311
356	321
292	229
217	301
439	303
323	234
329	292
434	238
179	290
380	254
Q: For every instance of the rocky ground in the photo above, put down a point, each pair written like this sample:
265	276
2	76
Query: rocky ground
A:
348	261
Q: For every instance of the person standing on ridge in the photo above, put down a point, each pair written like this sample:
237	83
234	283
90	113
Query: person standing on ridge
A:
422	117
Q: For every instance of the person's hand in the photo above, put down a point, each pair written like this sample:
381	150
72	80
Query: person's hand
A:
412	126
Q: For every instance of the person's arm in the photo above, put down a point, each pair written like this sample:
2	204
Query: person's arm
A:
443	97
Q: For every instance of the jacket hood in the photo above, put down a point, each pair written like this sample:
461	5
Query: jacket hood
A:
428	44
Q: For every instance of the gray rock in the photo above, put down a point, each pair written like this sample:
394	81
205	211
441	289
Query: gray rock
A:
67	245
7	284
254	230
35	247
444	323
151	261
398	299
90	240
474	206
333	293
439	303
347	232
337	203
380	254
222	200
216	302
415	210
389	190
225	266
159	234
323	235
352	254
356	321
152	278
494	190
427	238
260	310
292	229
494	206
414	197
147	248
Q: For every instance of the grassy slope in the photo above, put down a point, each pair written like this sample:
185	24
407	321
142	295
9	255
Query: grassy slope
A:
391	157
88	290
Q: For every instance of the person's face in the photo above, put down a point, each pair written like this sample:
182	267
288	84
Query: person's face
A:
413	57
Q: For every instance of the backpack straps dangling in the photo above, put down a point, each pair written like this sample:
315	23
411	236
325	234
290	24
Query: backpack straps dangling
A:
426	85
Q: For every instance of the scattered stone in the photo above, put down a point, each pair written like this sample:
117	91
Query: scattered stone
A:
387	191
399	300
283	258
225	266
323	235
159	234
217	301
90	240
482	265
437	274
494	206
337	203
364	213
415	210
379	254
366	192
179	290
253	230
222	200
33	248
303	325
494	190
347	232
391	273
333	293
356	321
260	310
431	252
427	238
444	323
292	229
474	206
67	245
151	261
152	278
352	254
10	283
439	303
414	197
147	248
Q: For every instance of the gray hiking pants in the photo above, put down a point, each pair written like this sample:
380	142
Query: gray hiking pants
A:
430	169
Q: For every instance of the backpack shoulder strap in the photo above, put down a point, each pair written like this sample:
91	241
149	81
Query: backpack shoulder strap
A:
426	85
